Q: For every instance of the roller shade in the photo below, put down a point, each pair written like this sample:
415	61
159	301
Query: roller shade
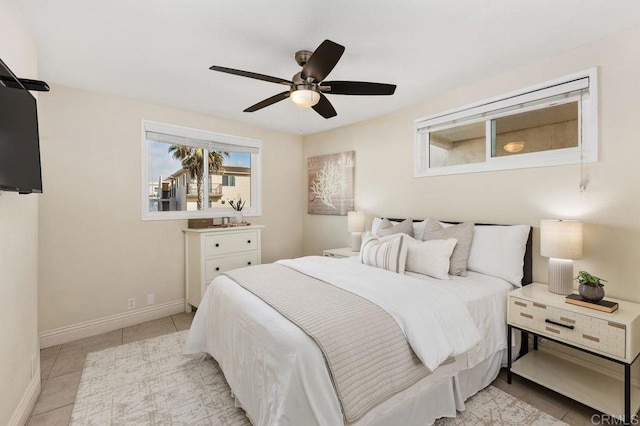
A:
201	143
565	92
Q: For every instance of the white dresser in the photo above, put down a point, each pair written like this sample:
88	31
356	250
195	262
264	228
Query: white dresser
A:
211	251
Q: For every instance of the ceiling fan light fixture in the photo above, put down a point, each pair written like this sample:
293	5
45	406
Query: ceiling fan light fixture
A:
514	147
305	98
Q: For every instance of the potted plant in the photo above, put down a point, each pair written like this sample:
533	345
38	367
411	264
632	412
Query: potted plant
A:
237	206
590	286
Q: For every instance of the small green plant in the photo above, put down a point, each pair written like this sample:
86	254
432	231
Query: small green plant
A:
237	205
591	280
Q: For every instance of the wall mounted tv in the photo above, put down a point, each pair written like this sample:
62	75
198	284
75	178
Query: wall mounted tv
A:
19	143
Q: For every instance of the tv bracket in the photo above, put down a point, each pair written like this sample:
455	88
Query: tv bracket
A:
35	85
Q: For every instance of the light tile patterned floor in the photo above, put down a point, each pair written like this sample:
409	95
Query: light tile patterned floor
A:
62	366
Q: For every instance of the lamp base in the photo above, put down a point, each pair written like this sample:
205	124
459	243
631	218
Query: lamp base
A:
356	241
560	276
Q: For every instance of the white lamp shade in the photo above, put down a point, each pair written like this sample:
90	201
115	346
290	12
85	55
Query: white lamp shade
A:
561	239
355	221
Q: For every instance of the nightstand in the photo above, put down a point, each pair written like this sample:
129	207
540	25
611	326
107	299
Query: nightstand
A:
340	252
614	337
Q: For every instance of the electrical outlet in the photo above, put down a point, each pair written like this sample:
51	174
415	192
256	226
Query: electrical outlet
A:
132	303
151	298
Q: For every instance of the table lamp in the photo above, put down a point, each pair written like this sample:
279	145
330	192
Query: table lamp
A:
561	242
355	225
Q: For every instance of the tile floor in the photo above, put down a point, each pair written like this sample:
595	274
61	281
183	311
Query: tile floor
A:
61	368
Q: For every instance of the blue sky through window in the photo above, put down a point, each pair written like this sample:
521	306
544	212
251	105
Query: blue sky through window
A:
161	162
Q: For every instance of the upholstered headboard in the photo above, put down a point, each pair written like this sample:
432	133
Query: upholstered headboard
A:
527	270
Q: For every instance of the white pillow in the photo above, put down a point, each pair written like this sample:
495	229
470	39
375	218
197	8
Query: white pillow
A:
499	251
418	227
388	253
430	257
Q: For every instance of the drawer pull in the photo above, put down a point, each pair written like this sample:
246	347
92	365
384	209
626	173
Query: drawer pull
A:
616	325
558	324
594	339
520	304
553	330
539	305
248	263
248	241
217	244
217	268
526	315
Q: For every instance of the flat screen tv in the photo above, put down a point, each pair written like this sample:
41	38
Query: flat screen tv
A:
19	143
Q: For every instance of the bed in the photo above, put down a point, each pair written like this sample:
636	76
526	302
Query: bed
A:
279	374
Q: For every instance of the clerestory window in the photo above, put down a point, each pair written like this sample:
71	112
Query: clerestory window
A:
552	123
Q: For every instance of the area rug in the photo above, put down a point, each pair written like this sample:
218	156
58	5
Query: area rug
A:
151	383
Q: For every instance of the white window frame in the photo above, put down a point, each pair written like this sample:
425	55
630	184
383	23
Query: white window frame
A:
581	87
202	139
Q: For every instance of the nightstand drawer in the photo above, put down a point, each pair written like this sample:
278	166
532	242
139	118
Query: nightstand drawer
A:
574	328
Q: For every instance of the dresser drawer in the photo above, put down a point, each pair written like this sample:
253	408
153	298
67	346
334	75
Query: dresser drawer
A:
214	267
215	245
578	329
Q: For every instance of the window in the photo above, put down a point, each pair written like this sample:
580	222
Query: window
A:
189	173
550	124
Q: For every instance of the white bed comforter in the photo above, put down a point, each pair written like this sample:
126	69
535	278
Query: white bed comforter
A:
277	372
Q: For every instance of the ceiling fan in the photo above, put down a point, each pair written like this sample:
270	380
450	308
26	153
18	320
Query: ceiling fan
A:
307	88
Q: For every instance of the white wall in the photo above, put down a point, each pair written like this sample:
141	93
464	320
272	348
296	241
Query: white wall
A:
18	251
95	250
385	185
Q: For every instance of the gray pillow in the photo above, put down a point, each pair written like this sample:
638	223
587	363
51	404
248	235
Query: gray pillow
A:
389	228
463	233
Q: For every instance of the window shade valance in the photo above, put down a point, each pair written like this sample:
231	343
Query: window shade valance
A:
201	143
564	92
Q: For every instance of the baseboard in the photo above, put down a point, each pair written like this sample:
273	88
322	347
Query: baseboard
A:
69	333
27	402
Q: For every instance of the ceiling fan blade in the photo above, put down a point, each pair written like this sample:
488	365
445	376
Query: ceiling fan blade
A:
269	101
324	107
320	64
357	88
251	75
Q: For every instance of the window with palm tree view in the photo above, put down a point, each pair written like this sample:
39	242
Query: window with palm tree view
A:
185	174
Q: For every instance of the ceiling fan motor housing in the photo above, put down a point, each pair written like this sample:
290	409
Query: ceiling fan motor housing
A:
302	56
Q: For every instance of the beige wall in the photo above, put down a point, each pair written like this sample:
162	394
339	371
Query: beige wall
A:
95	250
18	244
610	207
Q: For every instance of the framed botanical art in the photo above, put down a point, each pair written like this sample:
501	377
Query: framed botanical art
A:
330	184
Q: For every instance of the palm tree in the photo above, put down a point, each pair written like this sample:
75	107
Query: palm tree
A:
192	162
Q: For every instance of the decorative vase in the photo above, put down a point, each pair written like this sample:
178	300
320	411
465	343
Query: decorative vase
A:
237	217
591	293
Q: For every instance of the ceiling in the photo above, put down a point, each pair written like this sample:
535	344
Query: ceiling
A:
160	50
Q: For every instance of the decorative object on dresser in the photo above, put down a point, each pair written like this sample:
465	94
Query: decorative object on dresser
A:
355	225
341	252
561	242
210	252
590	286
614	337
237	207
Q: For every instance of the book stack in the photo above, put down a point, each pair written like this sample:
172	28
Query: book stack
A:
601	305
